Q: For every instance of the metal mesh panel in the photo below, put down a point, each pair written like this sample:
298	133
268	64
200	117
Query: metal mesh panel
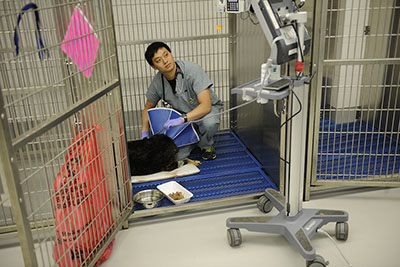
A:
6	215
358	128
39	168
51	85
55	106
188	27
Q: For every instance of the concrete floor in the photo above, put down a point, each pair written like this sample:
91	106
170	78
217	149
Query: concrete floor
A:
198	239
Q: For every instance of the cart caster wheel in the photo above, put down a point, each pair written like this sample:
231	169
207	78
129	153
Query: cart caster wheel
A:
264	204
234	237
342	231
317	262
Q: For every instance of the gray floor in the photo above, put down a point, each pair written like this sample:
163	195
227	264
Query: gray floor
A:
199	238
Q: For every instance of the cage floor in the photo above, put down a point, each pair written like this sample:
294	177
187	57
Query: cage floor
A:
234	172
356	150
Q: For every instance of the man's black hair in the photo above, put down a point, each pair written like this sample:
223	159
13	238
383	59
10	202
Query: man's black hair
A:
152	49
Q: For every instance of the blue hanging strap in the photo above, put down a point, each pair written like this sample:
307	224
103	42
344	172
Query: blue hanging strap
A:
39	41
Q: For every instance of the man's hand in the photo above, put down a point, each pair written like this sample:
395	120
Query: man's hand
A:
144	135
174	122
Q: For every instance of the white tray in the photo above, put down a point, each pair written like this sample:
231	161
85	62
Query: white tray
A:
172	187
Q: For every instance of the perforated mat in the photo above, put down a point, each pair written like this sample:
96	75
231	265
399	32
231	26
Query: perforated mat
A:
234	172
356	150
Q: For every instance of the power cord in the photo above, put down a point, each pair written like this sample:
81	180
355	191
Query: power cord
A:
334	242
300	108
298	41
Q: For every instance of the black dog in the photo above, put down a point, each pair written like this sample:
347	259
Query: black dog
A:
151	155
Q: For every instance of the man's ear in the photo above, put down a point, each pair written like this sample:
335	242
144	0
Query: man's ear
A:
154	67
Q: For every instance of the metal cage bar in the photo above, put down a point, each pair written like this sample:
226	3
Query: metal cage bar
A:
64	125
192	29
355	96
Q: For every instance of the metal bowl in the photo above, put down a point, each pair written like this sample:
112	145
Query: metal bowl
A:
148	198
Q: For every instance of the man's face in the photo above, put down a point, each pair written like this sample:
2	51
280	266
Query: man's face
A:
163	60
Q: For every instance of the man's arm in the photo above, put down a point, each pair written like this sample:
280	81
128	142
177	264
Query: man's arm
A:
145	117
203	108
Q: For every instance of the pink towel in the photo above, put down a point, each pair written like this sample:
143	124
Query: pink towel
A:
81	43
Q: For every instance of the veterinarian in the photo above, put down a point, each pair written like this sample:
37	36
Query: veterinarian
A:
185	87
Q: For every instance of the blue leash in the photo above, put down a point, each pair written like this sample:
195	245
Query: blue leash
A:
39	41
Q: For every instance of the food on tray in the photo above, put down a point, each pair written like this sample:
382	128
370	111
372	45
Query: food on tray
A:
176	196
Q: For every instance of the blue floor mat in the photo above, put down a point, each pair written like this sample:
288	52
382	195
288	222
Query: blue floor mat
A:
234	172
356	150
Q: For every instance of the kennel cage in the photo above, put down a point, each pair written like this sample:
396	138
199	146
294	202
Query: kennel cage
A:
46	103
195	32
221	44
355	101
65	190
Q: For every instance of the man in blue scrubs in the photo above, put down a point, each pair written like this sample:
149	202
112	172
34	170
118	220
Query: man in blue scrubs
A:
186	88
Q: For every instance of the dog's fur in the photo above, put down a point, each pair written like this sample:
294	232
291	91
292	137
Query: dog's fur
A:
154	154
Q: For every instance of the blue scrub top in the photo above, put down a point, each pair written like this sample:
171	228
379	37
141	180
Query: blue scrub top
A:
190	81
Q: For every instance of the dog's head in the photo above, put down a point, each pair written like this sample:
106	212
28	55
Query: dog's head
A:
151	155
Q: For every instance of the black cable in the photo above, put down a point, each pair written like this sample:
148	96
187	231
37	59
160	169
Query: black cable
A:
312	76
287	162
301	107
298	41
294	4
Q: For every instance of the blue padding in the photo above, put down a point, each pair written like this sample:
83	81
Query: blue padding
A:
157	117
186	137
234	172
363	151
182	135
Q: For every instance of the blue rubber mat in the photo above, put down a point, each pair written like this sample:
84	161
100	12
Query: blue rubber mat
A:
234	172
356	150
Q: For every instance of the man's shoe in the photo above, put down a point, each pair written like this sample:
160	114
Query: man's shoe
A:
208	153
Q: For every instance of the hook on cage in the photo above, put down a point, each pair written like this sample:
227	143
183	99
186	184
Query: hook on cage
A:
42	50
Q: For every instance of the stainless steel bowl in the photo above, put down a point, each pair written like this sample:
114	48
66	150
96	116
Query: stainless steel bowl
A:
148	198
